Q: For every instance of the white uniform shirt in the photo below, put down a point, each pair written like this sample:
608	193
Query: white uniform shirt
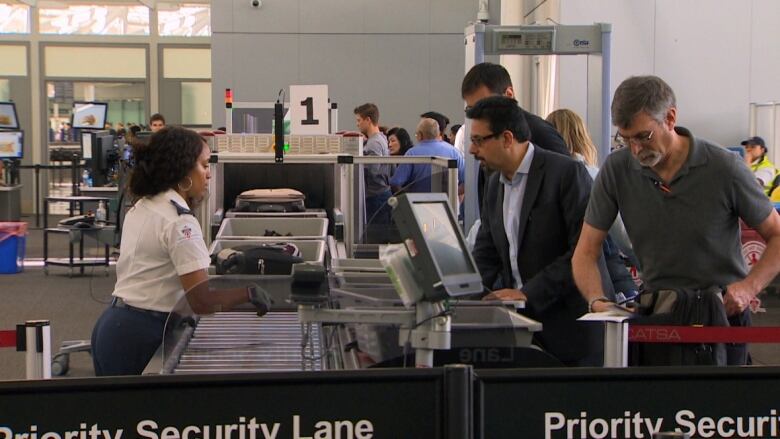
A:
158	246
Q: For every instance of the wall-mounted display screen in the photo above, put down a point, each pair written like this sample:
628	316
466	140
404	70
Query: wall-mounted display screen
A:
89	115
11	144
8	117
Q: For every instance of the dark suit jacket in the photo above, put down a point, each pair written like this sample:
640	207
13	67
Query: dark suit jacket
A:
551	217
544	135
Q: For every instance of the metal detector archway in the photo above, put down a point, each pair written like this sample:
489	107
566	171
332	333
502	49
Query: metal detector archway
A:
592	40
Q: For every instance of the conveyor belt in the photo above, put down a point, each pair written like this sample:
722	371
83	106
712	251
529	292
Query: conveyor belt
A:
230	342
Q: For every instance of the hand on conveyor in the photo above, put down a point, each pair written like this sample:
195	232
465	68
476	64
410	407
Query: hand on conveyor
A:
259	298
506	294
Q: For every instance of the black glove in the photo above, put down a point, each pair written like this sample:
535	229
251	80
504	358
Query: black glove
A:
259	298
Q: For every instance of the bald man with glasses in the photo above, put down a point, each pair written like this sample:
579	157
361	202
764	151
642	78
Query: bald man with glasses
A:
681	198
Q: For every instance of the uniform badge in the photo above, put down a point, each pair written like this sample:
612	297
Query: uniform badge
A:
186	231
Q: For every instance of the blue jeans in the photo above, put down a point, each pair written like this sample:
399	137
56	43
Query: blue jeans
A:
377	209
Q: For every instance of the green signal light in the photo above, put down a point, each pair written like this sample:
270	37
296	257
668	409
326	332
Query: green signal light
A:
286	147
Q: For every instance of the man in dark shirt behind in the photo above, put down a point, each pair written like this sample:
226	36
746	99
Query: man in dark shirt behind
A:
488	79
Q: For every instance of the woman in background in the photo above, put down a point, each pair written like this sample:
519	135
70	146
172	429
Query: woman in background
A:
581	147
574	133
398	141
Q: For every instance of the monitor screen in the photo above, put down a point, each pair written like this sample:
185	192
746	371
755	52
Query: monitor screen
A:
89	115
439	233
443	266
11	145
8	117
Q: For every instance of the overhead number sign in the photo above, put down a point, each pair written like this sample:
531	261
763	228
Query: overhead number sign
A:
309	109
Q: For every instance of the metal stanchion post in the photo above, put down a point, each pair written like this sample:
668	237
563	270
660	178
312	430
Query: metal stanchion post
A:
74	175
38	349
38	195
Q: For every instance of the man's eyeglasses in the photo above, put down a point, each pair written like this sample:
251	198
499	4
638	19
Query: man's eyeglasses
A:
479	140
641	138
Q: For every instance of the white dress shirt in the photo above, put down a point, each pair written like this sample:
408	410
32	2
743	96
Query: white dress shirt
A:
514	191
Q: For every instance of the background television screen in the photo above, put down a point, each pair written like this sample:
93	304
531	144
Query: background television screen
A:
89	115
11	145
8	117
439	231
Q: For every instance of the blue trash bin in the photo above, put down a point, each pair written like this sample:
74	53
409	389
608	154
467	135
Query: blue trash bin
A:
13	238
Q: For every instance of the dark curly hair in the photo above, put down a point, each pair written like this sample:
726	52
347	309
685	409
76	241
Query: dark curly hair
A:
164	161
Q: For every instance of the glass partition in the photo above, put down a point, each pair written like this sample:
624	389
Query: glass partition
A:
126	107
380	228
196	103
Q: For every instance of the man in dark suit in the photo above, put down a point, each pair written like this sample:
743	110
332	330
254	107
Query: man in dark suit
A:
531	218
488	79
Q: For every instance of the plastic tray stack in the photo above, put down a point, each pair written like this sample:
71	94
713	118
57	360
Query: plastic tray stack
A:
298	144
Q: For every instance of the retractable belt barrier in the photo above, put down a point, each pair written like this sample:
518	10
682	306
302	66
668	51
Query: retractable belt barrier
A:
702	334
8	339
34	338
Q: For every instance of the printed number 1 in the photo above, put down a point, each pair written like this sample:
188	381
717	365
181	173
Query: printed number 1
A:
310	120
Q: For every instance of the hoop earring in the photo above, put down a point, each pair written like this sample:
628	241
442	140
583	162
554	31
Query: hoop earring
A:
188	187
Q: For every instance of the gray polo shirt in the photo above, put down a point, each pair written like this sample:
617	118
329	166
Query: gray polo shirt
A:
377	177
688	237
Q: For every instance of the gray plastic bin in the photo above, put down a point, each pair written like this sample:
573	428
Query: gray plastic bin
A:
256	228
311	251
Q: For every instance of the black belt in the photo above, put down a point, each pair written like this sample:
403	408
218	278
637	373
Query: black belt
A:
117	302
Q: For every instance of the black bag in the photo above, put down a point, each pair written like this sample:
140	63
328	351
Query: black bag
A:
270	200
680	307
257	259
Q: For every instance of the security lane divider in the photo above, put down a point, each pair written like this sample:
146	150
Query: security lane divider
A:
433	403
619	331
702	334
8	339
33	338
453	402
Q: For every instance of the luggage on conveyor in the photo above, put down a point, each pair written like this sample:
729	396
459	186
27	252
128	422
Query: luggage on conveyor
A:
270	200
264	259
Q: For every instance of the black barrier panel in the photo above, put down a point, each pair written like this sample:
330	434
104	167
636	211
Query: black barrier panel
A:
347	405
629	403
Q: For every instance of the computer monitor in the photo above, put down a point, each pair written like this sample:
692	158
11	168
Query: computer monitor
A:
144	136
438	250
11	144
8	117
100	154
89	115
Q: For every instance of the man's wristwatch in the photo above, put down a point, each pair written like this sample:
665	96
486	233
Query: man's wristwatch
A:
597	299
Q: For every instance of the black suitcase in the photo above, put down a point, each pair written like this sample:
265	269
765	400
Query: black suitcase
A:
257	259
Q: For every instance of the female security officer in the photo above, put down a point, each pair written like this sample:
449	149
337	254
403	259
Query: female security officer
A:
162	254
